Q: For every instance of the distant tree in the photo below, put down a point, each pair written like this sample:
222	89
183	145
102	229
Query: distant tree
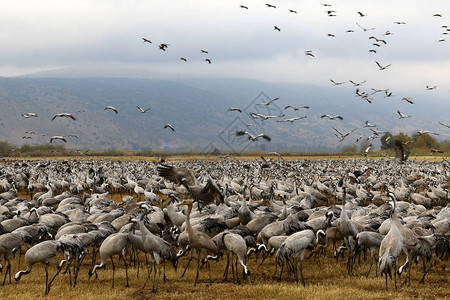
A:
445	146
5	148
387	141
349	149
426	141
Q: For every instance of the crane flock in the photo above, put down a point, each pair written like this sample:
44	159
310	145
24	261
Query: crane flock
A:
281	208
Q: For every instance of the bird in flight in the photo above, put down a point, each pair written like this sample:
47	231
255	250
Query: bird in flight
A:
163	46
408	99
57	137
429	88
169	126
357	83
342	135
268	103
112	108
252	137
332	117
361	14
402	115
369	125
420	132
296	108
378	40
146	40
264	117
292	119
234	109
183	59
400	23
270	5
203	51
382	67
29	115
365	29
208	60
292	11
276	28
143	110
337	83
243	6
446	125
64	115
309	53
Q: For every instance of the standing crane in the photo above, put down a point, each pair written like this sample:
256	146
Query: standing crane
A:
199	241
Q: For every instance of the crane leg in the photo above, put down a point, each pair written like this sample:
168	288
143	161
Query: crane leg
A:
301	272
189	262
198	268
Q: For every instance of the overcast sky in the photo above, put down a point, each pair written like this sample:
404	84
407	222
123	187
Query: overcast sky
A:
104	37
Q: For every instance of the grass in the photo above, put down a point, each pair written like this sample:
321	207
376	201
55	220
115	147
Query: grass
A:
325	279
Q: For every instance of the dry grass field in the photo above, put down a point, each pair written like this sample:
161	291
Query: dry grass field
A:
325	279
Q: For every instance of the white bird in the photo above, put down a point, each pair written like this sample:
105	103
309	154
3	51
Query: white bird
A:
65	115
446	125
252	137
357	83
369	125
268	103
337	83
143	110
382	67
365	29
234	109
29	115
402	115
264	117
169	126
420	132
408	99
57	137
332	117
112	108
292	119
296	108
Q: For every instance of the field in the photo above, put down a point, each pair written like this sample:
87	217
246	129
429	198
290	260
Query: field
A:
325	278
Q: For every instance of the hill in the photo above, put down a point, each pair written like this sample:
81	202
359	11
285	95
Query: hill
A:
197	108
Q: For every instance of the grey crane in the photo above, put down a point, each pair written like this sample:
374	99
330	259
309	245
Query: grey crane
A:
114	244
111	108
170	126
198	241
9	242
235	244
64	115
42	253
390	249
371	240
293	247
348	230
156	247
143	110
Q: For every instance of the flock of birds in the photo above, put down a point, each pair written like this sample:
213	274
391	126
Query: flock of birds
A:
203	210
377	42
29	134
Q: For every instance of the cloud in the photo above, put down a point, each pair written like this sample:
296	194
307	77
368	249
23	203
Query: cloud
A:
241	43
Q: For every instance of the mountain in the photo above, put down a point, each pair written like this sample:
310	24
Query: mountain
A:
197	108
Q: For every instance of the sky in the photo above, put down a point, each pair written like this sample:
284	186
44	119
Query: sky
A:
104	38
